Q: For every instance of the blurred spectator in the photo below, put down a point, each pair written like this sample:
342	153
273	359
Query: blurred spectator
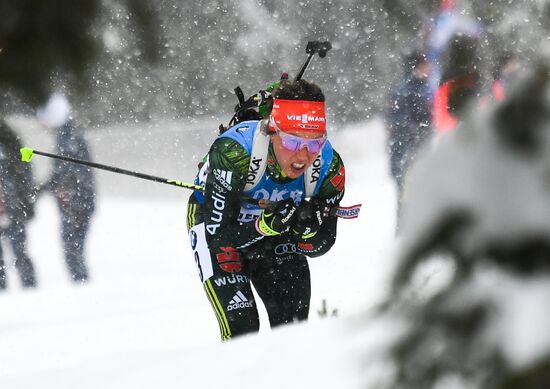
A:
408	116
460	83
449	22
16	206
72	184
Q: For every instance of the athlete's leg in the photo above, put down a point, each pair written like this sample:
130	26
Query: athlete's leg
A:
17	236
283	283
3	281
225	282
74	229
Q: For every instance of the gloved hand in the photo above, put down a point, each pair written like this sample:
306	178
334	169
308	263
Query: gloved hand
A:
25	208
277	219
63	198
39	190
311	215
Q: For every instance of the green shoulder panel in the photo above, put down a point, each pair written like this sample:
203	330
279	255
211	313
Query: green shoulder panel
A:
229	154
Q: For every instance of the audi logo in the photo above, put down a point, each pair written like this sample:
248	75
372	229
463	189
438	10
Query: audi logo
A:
285	248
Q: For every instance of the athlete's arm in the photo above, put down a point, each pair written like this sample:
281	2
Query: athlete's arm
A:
330	193
228	165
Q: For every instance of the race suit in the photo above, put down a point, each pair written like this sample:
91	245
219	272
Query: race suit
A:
231	254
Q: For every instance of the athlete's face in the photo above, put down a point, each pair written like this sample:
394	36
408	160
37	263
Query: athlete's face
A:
296	150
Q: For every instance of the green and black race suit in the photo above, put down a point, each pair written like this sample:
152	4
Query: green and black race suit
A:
230	252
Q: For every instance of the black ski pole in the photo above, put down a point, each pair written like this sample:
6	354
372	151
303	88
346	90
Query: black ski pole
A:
27	154
312	48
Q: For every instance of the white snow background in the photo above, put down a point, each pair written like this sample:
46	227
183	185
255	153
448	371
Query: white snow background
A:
144	321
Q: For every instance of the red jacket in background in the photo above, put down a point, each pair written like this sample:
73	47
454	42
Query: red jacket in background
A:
443	118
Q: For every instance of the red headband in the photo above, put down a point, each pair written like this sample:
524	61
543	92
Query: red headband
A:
299	115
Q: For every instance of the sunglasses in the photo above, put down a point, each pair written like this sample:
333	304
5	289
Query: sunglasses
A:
296	143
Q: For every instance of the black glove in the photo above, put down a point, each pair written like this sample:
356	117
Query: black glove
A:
311	215
277	219
26	209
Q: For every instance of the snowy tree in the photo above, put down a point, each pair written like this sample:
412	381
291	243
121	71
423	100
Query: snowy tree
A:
488	219
41	41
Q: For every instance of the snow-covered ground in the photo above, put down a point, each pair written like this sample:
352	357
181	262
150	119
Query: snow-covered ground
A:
143	321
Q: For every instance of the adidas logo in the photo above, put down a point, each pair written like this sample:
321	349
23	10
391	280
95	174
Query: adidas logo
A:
224	177
239	301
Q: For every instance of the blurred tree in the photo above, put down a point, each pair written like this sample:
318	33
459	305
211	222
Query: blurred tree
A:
39	38
455	335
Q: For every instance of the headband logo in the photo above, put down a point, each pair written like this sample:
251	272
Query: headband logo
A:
305	118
